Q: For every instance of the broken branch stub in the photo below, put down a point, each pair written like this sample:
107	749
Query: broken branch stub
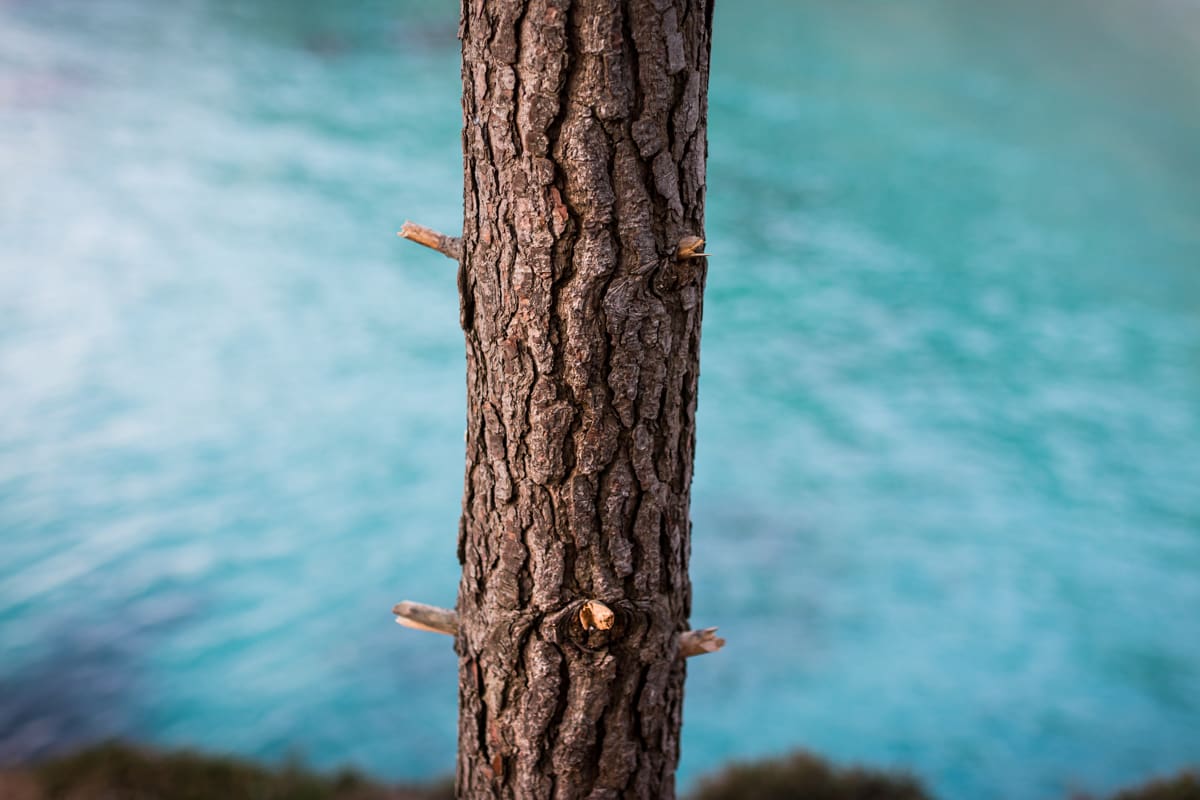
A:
449	246
595	614
426	618
689	247
697	643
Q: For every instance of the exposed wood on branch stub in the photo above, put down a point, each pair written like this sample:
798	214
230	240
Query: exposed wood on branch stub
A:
448	246
426	618
697	643
689	247
443	620
595	614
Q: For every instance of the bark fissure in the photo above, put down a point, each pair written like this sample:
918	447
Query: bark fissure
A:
580	129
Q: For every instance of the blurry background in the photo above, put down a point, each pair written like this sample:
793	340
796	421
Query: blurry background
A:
947	503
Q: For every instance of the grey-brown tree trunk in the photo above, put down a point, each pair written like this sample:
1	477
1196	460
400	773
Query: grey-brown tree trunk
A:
584	143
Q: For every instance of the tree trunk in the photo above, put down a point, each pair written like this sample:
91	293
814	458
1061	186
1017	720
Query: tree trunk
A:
584	147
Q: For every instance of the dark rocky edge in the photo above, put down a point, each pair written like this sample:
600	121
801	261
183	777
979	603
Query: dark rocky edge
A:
115	771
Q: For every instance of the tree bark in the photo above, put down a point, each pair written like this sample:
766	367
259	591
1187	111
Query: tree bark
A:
584	138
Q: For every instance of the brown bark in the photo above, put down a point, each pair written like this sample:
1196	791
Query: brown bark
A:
584	144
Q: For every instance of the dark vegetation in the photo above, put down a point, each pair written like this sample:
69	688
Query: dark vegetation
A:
119	772
802	775
1185	786
114	771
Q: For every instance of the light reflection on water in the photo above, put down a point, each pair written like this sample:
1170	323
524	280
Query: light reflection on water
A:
945	505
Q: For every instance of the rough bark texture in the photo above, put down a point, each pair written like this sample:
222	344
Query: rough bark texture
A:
584	141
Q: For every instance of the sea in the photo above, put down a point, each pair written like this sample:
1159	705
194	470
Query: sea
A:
947	495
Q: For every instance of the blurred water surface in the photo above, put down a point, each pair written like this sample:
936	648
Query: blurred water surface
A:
947	504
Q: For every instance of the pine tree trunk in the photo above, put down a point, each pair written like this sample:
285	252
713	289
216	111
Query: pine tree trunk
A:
584	142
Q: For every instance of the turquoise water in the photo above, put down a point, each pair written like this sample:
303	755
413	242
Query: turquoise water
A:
947	502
